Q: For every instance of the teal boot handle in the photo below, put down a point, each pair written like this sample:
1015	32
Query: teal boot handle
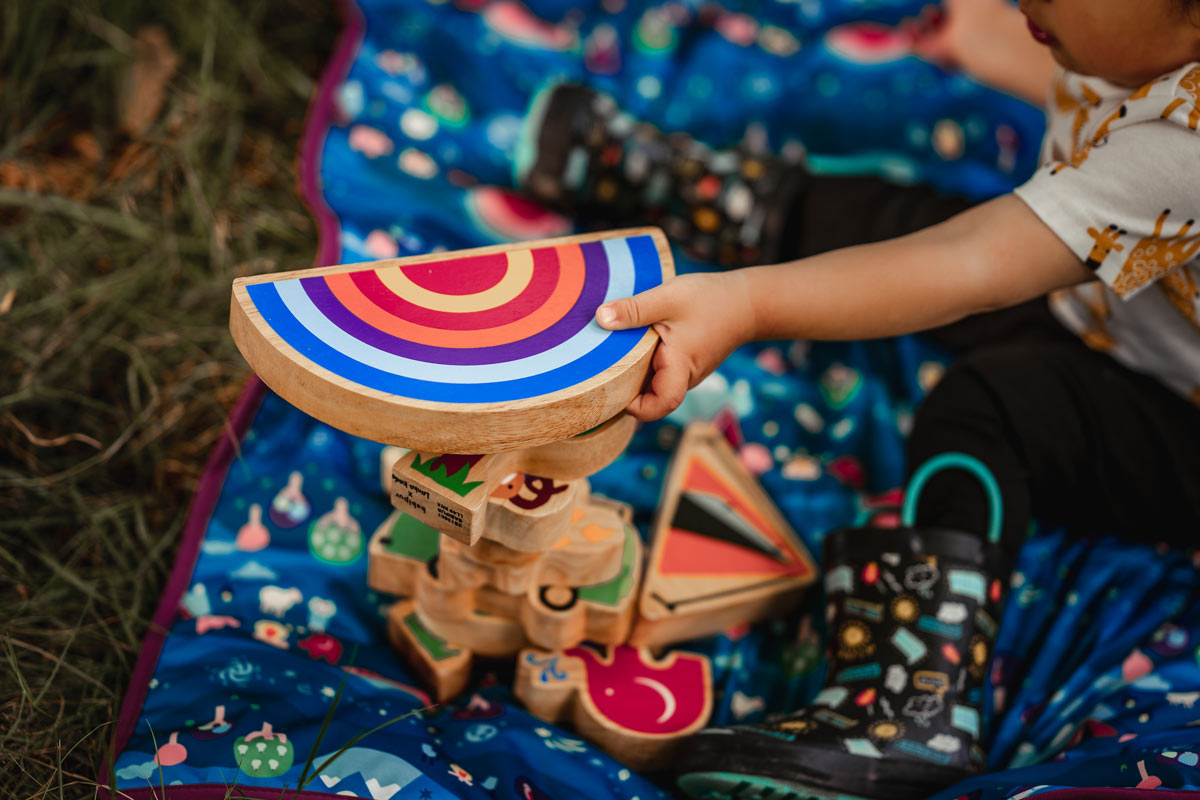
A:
972	465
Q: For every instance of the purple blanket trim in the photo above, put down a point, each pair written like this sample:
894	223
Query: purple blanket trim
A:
218	791
1093	793
208	489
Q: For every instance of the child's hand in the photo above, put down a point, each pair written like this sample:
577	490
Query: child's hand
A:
964	34
700	320
989	40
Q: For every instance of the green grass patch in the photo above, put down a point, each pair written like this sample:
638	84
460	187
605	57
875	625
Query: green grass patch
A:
120	237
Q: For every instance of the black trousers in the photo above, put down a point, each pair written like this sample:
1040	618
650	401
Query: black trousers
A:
1071	436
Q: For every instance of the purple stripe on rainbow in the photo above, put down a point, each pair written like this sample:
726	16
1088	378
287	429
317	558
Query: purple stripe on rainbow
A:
594	288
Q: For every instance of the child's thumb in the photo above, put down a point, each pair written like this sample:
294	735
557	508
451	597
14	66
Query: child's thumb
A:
638	311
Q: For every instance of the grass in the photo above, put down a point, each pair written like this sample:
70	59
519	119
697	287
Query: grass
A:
131	194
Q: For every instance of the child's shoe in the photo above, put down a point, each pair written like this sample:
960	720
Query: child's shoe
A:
913	616
581	155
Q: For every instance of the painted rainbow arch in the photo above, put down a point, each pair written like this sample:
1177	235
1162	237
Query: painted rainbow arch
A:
496	325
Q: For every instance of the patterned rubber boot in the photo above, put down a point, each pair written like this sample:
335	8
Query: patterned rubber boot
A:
581	155
913	616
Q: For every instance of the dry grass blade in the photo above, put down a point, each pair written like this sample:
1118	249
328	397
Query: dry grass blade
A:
146	151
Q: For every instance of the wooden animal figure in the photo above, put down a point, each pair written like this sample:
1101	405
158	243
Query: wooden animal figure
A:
722	554
452	492
403	559
631	705
552	616
587	550
557	616
477	351
443	667
485	634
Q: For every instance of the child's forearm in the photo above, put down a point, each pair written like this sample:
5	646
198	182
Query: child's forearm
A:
993	256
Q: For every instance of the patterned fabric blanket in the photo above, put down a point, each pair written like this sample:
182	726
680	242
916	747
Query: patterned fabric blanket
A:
268	665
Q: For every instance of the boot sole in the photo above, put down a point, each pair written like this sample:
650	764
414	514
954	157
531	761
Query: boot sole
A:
731	786
764	761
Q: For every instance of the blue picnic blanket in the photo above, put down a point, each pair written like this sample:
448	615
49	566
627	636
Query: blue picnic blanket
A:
276	671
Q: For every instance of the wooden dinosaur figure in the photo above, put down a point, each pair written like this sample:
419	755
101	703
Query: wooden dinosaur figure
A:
451	492
1156	255
721	554
633	706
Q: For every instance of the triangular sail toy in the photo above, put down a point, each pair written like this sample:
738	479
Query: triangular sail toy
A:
722	553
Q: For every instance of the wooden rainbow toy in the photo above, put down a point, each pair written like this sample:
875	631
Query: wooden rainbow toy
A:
475	351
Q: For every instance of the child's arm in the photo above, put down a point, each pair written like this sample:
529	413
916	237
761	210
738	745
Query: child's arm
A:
990	40
993	256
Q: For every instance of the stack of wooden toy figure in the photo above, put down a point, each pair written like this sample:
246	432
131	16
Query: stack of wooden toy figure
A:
508	553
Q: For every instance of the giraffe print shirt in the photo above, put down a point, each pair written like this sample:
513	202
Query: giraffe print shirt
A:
1120	185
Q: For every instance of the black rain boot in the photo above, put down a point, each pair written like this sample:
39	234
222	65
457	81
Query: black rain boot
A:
913	616
581	155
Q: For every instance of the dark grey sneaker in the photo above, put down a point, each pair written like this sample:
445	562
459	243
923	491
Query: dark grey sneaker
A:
583	156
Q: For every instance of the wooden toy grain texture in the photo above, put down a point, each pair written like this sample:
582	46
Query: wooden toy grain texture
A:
550	413
443	667
451	492
721	553
630	704
586	550
552	616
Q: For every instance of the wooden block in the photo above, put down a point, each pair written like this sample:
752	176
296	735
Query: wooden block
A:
443	667
388	457
557	616
485	350
445	599
552	616
486	634
584	454
587	551
722	554
452	492
634	707
400	550
533	514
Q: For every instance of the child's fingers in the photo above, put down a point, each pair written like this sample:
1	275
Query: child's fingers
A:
668	386
638	311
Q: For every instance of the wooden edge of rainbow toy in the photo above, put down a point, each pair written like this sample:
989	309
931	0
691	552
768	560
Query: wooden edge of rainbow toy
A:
473	351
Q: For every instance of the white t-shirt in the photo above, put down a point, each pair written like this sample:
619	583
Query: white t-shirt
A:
1120	185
